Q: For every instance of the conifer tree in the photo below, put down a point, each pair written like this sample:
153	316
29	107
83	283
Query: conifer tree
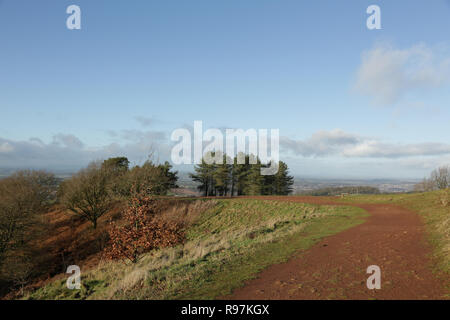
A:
240	178
282	180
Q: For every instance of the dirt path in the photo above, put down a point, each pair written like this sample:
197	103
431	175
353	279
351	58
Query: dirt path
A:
335	268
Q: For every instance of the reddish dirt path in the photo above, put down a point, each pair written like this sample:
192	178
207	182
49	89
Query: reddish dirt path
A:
335	268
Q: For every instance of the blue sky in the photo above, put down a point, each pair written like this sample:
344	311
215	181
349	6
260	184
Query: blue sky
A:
349	102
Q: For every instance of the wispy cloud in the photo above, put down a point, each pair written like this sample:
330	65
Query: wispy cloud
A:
145	121
68	141
387	74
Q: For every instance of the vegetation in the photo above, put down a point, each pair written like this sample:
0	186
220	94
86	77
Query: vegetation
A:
91	191
26	197
143	231
222	179
438	180
167	248
23	196
87	194
151	179
226	243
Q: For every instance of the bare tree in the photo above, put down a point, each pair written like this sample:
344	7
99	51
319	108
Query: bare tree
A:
425	185
22	197
86	193
19	270
441	177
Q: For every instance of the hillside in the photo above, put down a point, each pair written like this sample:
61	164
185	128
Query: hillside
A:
226	244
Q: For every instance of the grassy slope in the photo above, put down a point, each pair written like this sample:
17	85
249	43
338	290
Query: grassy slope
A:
435	215
228	244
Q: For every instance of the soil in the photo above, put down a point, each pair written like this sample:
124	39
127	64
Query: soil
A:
392	238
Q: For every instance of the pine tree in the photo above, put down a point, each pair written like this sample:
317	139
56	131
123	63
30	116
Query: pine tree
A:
222	177
170	177
241	179
203	175
254	180
282	180
268	184
240	173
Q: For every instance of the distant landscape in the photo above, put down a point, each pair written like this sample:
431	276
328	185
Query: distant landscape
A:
301	185
305	185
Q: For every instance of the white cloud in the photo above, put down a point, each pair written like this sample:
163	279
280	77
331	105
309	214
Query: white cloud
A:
387	74
340	143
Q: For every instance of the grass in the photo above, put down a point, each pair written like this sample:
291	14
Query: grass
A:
434	209
226	245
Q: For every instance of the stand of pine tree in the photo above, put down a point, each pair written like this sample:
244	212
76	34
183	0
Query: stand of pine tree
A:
224	179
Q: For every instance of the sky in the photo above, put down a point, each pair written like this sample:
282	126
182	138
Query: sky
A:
349	102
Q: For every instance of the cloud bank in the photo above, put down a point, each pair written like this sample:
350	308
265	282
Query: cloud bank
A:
340	143
67	152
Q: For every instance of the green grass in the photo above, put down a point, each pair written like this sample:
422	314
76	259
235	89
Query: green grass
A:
228	244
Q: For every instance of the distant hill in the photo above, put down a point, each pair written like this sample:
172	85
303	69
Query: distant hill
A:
304	185
340	190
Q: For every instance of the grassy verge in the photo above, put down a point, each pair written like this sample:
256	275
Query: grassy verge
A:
228	244
434	210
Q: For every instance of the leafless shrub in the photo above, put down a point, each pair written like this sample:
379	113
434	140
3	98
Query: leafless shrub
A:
439	180
441	177
425	185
